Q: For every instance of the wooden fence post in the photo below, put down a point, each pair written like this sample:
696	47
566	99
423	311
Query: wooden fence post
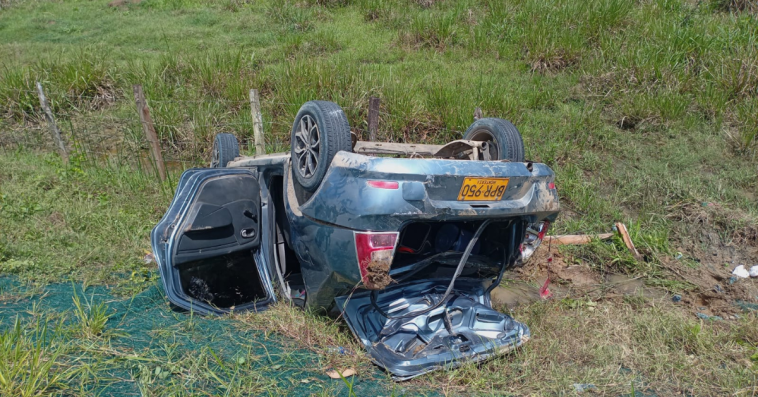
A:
51	123
149	129
477	114
373	117
255	112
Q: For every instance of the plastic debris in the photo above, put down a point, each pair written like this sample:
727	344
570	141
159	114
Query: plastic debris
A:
583	387
334	374
678	256
544	291
746	306
733	280
753	271
676	298
741	272
707	317
338	350
718	289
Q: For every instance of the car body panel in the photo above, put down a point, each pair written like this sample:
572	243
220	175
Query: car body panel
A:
320	229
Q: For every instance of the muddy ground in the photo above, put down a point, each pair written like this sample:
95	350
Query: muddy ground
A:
712	289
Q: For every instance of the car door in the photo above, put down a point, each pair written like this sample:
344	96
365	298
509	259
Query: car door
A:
208	243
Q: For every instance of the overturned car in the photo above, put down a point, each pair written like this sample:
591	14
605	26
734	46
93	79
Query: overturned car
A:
406	241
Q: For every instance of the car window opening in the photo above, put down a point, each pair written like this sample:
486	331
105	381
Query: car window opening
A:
224	282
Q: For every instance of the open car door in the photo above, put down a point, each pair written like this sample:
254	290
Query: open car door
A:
207	244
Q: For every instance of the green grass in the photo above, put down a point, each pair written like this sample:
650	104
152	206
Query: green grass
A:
637	106
647	111
48	346
78	222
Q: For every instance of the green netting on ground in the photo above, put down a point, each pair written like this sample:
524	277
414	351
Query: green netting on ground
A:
147	348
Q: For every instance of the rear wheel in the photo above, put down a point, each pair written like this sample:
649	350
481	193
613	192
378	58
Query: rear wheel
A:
504	140
225	149
319	132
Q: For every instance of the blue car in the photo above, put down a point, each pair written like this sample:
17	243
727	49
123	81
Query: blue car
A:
405	241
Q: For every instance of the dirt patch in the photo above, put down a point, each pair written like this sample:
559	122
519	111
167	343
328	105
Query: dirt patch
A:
719	240
378	270
514	294
624	284
426	3
121	3
716	290
538	268
702	279
57	220
578	275
543	63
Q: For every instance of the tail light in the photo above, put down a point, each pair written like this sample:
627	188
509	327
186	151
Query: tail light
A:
384	184
535	233
375	251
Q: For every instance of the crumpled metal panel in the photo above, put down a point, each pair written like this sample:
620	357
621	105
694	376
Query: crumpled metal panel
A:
463	329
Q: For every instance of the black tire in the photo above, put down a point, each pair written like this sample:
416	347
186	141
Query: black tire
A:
328	124
225	149
505	140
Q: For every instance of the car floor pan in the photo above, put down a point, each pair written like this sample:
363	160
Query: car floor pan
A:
463	329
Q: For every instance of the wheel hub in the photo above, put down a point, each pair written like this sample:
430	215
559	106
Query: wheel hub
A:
307	146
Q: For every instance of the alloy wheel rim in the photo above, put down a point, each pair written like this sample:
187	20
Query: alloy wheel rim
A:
307	146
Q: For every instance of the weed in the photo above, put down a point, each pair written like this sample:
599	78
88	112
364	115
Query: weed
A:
30	363
92	316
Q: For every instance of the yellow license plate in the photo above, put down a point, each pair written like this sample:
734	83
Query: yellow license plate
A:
482	189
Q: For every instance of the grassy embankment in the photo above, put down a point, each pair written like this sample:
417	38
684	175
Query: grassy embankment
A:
644	109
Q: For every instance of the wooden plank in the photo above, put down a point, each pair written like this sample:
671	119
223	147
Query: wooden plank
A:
577	239
373	117
255	111
54	130
628	240
149	129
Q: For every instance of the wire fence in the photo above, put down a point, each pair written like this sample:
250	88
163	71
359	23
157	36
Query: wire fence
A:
108	128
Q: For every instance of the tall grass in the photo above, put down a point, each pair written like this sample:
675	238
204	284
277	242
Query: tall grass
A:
584	81
30	361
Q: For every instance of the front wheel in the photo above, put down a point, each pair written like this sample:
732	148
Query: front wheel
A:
319	132
504	140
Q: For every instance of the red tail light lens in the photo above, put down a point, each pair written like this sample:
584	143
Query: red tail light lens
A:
383	184
551	185
375	251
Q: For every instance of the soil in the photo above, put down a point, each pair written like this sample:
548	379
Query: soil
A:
377	271
713	291
120	3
